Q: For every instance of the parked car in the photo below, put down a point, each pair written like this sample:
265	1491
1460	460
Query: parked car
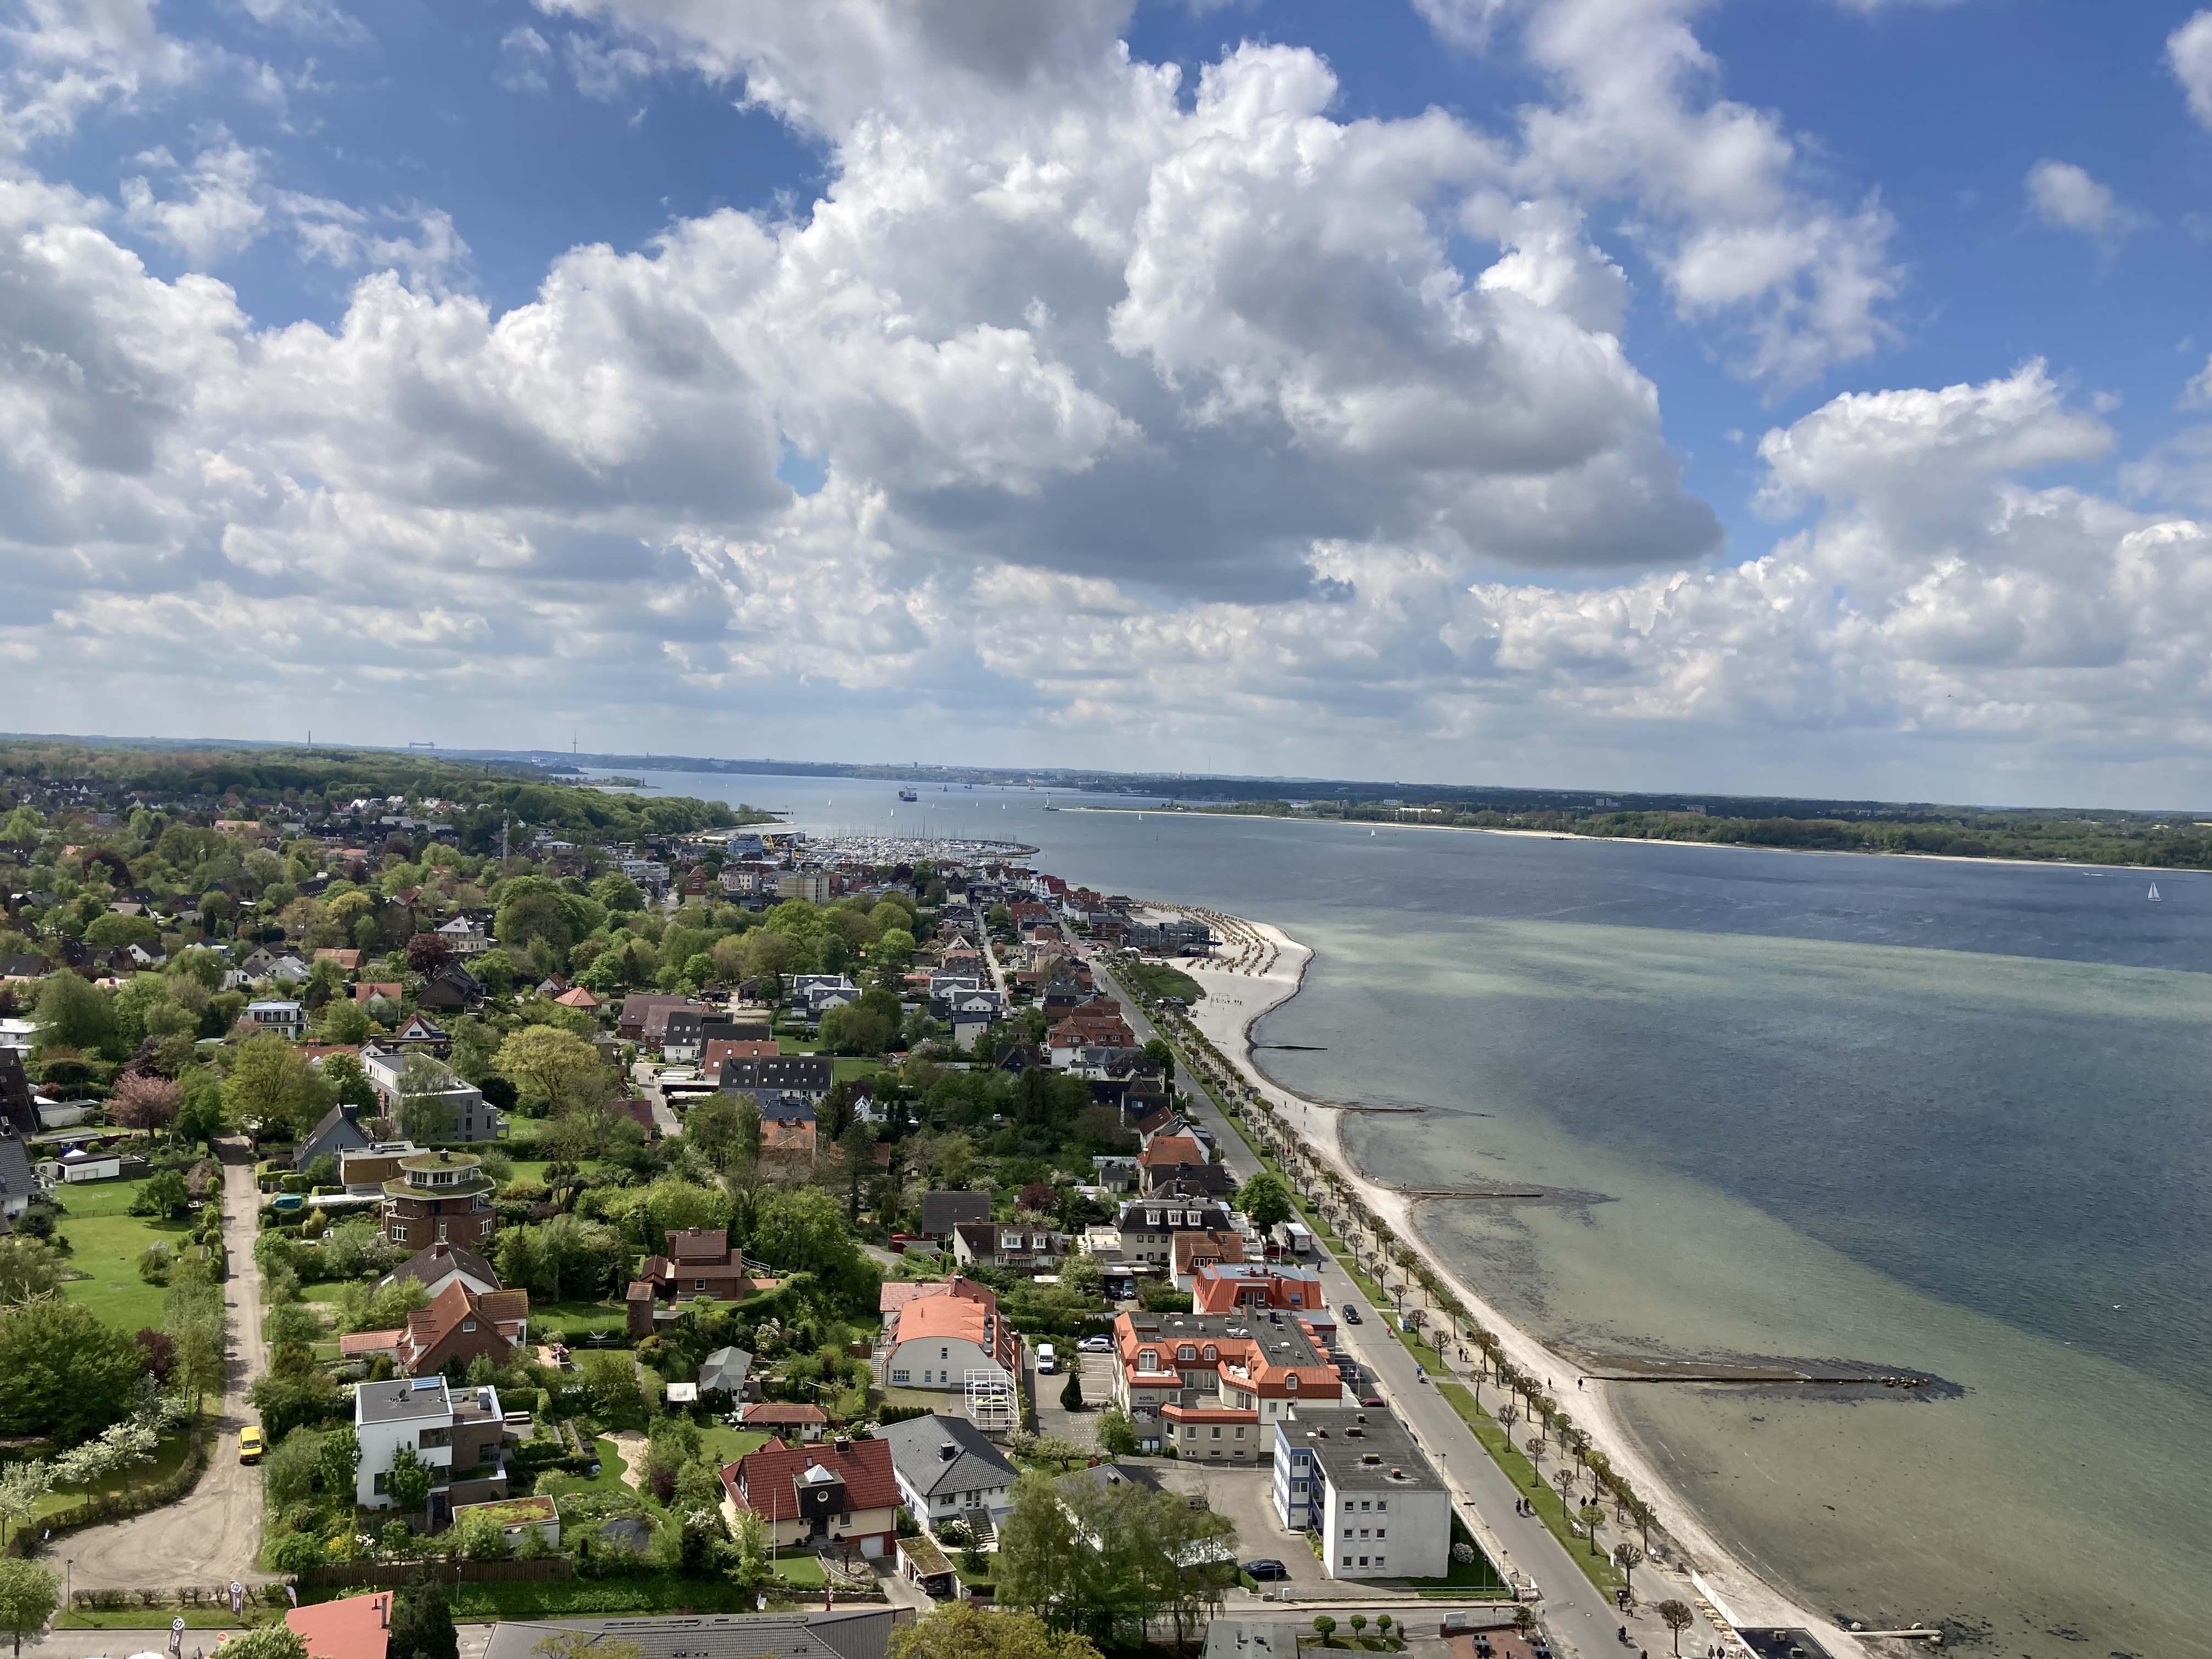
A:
1351	1315
1047	1361
1096	1345
249	1444
1373	1402
1266	1570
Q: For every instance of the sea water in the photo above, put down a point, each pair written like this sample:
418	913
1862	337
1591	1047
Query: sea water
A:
1944	1116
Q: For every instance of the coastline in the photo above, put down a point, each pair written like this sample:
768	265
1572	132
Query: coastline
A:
1645	841
1236	999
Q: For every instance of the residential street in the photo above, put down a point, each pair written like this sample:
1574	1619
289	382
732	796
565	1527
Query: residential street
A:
214	1533
1576	1611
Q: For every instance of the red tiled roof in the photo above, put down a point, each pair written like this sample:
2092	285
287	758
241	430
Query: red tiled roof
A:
767	1475
769	1413
355	1628
1170	1150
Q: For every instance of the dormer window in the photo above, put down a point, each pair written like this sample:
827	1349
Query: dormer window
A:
1212	1352
1186	1353
1149	1359
1292	1382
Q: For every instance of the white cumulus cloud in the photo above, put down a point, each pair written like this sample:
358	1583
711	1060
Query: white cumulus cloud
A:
2066	197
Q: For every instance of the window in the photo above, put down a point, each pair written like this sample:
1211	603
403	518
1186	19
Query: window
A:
468	1324
1292	1382
399	1234
442	1232
1347	1532
1363	1560
1382	1505
379	1485
1365	1506
1217	1431
945	1353
1240	1431
1380	1560
1382	1531
898	1376
1212	1352
1348	1506
698	1283
1186	1353
1190	1434
1347	1560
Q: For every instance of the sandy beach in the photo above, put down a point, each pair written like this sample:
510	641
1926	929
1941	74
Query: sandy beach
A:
1261	967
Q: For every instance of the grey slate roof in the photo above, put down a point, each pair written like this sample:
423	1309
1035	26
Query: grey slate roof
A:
17	1179
846	1633
725	1368
918	1454
1108	1474
434	1262
942	1211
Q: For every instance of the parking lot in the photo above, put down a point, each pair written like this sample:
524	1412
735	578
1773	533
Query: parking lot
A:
1243	1495
1096	1370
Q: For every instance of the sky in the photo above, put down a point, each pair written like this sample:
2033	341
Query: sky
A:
1797	398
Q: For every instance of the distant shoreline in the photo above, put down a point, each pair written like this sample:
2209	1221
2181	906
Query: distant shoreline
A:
2152	870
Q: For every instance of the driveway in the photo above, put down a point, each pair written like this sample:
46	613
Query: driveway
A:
1096	1370
214	1532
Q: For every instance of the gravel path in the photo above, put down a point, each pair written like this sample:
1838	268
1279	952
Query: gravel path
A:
213	1533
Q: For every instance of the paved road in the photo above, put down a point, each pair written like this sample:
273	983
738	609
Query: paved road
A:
213	1533
1576	1611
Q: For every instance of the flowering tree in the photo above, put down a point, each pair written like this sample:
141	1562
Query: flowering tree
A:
143	1101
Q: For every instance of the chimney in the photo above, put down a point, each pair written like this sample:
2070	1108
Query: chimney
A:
384	1612
948	1449
842	1444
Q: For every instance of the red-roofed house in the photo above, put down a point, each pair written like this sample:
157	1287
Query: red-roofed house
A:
1165	1158
462	1323
1193	1252
356	1627
699	1263
843	1492
579	997
786	1420
935	1342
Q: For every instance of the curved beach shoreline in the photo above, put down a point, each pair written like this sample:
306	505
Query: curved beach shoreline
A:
1266	969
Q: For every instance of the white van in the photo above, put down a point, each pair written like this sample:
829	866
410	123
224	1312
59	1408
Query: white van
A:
1047	1363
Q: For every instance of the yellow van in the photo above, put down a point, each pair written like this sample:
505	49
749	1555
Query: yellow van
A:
249	1444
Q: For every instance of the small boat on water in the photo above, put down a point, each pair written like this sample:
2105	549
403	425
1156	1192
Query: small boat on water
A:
2153	893
909	794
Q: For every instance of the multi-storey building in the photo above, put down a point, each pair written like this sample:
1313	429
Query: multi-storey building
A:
1212	1385
439	1198
1358	1480
461	1435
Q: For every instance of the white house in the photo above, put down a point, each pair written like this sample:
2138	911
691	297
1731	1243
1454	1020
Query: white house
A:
937	1340
465	936
286	1019
462	1436
947	1471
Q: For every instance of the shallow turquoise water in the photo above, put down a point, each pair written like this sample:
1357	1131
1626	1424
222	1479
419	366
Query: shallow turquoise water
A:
1945	1116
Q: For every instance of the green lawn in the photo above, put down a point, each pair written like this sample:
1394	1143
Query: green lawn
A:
548	1316
726	1445
159	1618
105	1241
609	1479
804	1570
929	1400
847	1066
1598	1569
168	1457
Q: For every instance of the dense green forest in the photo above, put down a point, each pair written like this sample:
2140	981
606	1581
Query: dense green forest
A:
2164	843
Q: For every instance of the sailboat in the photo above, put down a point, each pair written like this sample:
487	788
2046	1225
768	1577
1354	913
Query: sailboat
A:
2154	892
